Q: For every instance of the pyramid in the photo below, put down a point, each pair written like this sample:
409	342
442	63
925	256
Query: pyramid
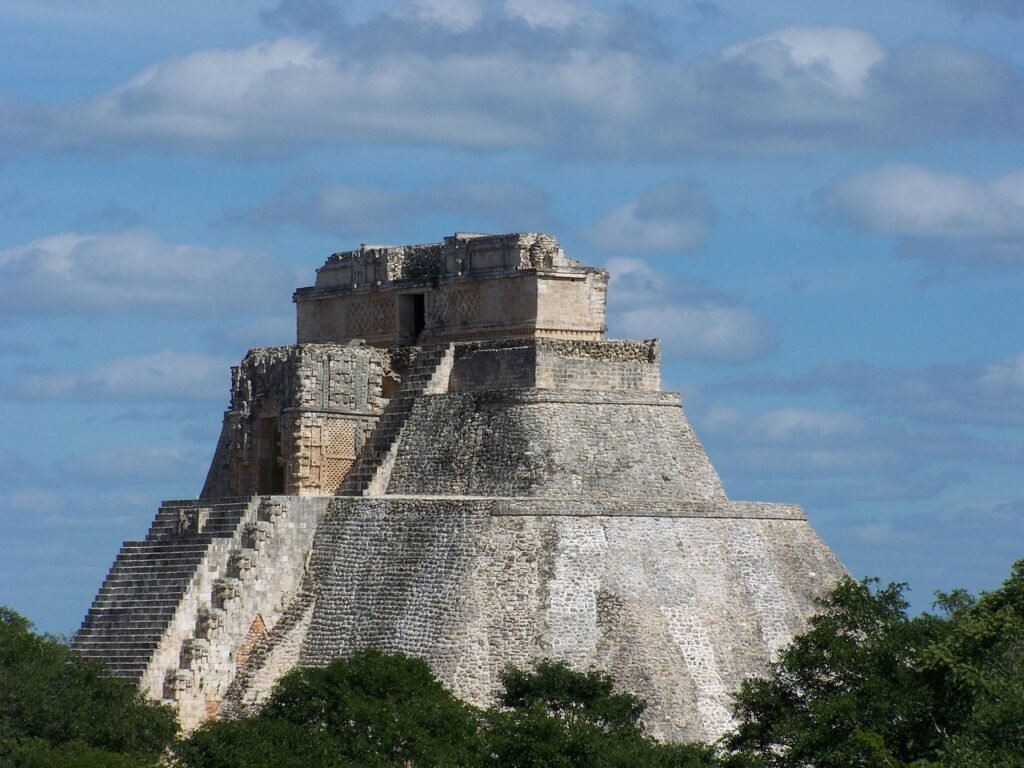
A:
454	462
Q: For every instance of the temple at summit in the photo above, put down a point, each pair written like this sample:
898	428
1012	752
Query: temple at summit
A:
452	461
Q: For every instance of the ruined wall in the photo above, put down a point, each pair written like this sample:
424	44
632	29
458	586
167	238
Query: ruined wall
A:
181	611
533	442
298	417
678	609
239	595
605	365
469	287
556	364
522	303
572	306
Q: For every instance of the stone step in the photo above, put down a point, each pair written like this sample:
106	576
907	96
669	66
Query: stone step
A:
108	649
150	549
145	591
107	633
144	587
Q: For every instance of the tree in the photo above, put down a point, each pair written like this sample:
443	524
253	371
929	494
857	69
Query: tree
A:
378	709
59	709
867	685
553	715
976	670
373	709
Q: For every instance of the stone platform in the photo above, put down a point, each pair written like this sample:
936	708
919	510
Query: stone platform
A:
455	463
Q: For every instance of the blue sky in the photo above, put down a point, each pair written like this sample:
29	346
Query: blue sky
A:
817	206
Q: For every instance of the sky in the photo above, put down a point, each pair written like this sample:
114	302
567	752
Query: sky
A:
817	206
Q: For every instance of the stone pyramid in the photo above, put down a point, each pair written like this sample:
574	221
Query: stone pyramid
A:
453	462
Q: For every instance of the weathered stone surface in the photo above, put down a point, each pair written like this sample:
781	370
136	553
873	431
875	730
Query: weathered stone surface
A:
474	476
677	608
471	286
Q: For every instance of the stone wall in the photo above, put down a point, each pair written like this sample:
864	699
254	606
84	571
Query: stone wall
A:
298	417
521	304
556	364
604	365
241	591
677	608
469	287
534	442
181	611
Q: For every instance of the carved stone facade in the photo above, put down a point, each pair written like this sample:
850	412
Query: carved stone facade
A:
468	287
454	463
298	418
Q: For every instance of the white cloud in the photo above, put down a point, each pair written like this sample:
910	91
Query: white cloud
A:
122	272
974	394
691	321
712	332
346	209
838	58
673	216
801	424
454	15
33	501
918	202
550	14
935	216
1003	378
542	76
1012	9
128	465
163	376
634	283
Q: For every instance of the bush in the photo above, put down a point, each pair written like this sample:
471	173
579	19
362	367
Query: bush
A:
57	708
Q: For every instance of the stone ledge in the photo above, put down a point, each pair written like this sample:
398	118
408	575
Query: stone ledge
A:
531	395
507	506
751	510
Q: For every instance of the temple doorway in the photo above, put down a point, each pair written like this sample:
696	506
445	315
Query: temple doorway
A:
268	456
412	315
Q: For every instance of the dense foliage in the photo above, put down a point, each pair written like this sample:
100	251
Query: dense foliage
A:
553	715
376	709
373	709
866	685
57	709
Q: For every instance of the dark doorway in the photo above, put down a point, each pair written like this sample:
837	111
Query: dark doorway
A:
419	319
412	315
268	457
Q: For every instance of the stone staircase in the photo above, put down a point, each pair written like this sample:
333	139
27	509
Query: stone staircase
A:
144	587
372	470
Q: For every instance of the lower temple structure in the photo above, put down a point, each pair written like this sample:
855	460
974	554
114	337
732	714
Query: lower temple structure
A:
453	462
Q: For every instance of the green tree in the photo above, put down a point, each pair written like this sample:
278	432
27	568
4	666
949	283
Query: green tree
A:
373	709
376	709
846	692
59	709
553	715
867	685
976	670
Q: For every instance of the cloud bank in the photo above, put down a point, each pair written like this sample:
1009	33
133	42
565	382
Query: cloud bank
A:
552	78
163	376
350	210
672	216
934	215
692	322
124	272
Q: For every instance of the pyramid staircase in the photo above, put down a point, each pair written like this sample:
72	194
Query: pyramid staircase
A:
372	470
139	597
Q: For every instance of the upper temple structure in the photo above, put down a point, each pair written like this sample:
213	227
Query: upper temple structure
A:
453	462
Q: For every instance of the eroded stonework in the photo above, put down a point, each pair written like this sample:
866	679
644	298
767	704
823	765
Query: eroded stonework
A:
454	463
